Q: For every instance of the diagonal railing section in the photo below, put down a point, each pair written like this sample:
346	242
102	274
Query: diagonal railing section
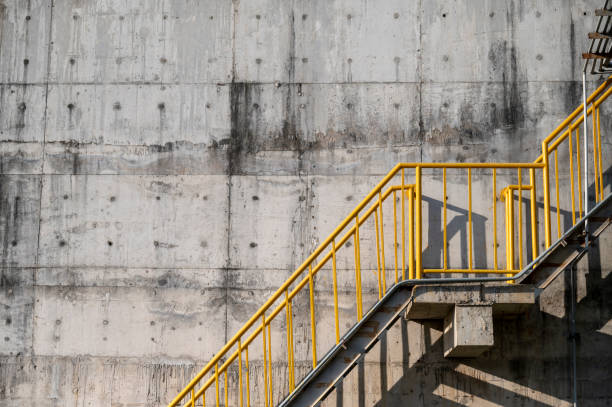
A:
382	242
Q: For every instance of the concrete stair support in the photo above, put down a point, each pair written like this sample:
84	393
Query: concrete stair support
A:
468	331
468	312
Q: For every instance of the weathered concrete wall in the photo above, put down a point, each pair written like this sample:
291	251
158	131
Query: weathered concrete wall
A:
164	165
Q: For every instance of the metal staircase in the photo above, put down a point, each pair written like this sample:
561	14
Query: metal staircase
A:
379	249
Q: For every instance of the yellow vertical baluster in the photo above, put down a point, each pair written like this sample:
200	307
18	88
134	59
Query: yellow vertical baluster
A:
357	269
240	370
192	397
444	220
595	155
411	224
265	358
579	170
336	319
312	318
571	169
403	230
379	277
599	158
217	383
557	192
509	231
419	225
470	217
270	361
534	223
382	244
204	398
395	234
248	380
495	219
289	339
520	217
546	186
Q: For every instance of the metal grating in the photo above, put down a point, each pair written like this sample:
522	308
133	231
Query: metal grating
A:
599	58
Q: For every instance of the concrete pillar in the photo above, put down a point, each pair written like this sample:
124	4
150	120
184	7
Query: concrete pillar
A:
468	330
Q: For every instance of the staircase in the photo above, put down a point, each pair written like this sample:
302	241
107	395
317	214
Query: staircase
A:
380	249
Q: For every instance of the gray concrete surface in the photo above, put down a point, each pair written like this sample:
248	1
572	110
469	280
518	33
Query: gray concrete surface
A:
164	166
468	331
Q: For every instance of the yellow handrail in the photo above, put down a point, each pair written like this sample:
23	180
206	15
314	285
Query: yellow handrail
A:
412	192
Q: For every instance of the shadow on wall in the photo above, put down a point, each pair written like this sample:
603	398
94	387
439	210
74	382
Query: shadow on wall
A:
531	362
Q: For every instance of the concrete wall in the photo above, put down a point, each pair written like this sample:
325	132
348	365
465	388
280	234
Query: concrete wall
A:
164	165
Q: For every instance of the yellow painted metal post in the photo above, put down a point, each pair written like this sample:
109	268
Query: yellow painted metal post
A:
289	339
411	225
571	169
534	217
248	381
546	190
595	155
204	399
404	230
313	329
599	157
495	266
336	319
395	234
265	359
470	218
217	383
444	198
357	269
520	217
378	275
579	170
509	231
240	371
557	193
419	220
192	397
382	243
270	361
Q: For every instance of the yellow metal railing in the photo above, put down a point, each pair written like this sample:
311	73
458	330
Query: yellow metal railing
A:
231	378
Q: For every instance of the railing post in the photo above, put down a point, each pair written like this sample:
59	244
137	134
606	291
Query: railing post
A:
419	245
509	231
546	186
534	223
312	318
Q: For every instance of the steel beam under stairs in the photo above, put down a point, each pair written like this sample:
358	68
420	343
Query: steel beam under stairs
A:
570	248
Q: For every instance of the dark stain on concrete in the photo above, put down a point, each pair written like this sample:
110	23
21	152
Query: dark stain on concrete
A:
242	139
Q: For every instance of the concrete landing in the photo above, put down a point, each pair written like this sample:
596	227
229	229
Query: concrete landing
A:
468	311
